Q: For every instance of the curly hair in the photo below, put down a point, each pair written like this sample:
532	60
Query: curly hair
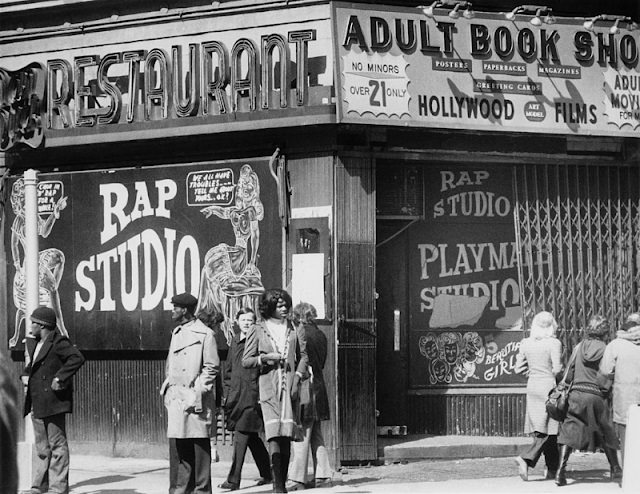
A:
544	325
269	301
598	326
304	313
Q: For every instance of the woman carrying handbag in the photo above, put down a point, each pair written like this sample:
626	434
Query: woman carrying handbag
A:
541	354
588	423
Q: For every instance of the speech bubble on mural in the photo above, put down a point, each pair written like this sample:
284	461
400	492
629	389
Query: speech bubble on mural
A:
376	84
50	194
210	187
622	97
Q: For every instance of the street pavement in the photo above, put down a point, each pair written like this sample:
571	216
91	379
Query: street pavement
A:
587	473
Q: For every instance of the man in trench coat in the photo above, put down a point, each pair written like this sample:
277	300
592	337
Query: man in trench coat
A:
189	396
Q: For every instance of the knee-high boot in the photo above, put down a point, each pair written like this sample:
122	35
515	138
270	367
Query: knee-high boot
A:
615	470
561	474
276	472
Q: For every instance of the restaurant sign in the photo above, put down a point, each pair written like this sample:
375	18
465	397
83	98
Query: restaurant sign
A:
208	82
402	66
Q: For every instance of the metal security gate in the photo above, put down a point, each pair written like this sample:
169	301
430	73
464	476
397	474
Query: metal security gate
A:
578	229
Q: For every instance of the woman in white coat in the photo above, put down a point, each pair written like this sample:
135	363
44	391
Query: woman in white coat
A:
541	352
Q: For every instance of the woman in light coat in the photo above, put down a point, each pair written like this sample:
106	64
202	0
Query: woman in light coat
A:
278	350
621	362
541	352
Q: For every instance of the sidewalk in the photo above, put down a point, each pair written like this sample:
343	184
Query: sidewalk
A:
587	473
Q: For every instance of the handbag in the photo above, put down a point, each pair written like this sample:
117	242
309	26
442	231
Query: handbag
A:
557	402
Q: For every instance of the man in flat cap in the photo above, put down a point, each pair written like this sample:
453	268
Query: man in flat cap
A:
189	396
53	361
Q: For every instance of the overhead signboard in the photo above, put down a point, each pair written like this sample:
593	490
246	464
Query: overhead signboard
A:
497	72
116	245
197	75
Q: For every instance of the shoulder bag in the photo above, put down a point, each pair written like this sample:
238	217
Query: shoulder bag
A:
557	402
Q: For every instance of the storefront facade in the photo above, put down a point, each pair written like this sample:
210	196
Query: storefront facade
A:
427	180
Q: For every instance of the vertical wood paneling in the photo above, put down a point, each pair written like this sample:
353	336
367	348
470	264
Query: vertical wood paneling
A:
311	181
472	415
355	295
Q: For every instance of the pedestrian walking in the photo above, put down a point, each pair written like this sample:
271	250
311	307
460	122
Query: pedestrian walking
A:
621	363
53	361
8	431
278	350
314	407
189	396
241	403
541	352
588	423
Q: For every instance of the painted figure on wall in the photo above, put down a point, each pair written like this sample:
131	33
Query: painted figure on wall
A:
51	261
230	277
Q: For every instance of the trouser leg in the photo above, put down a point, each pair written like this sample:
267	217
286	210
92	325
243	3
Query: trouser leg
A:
202	465
532	454
240	440
561	473
260	455
551	454
621	431
300	462
185	467
319	453
43	456
59	463
173	466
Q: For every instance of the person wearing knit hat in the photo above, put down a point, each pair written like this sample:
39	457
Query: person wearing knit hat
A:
44	316
189	397
621	364
52	363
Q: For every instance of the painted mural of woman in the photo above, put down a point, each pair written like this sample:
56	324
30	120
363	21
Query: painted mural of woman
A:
51	261
230	277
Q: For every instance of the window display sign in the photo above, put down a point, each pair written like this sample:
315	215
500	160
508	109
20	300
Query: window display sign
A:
488	71
463	269
116	245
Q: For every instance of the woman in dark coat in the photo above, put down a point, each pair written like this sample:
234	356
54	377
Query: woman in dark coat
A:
242	407
315	407
588	424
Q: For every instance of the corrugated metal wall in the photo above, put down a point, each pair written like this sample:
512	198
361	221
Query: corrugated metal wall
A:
473	415
355	299
119	400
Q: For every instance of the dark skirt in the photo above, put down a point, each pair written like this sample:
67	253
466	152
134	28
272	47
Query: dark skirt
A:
588	424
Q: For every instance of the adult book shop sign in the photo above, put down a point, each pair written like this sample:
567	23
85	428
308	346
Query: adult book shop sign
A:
115	246
464	294
399	66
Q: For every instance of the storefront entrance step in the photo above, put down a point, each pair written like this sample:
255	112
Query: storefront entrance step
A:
420	447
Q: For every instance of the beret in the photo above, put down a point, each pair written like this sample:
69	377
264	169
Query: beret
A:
184	300
44	315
